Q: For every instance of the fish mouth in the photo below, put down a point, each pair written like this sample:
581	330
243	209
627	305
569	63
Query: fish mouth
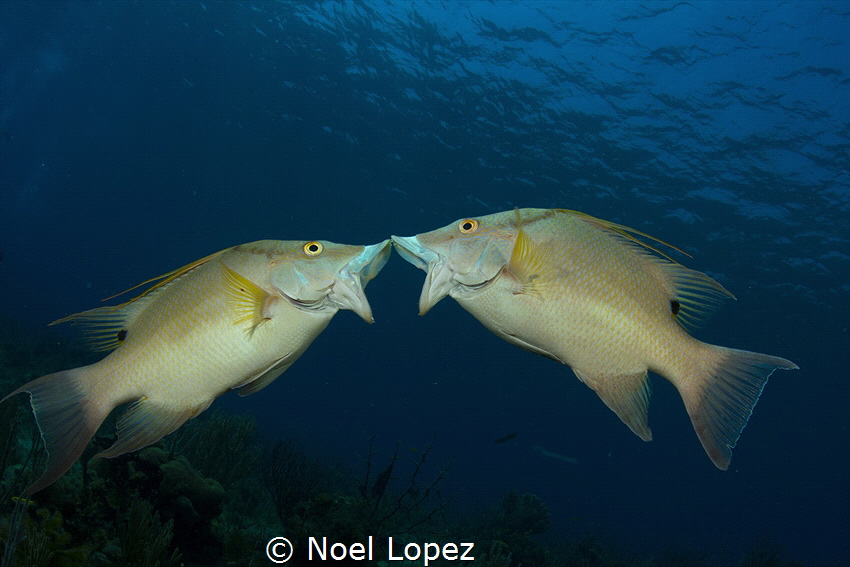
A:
348	290
440	278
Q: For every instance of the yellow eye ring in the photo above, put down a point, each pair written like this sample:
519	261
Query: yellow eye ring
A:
313	248
467	226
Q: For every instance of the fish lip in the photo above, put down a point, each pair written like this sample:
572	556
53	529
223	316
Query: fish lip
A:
412	250
371	261
348	289
439	279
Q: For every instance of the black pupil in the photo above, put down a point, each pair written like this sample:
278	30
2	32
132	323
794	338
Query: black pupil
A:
466	226
313	248
674	307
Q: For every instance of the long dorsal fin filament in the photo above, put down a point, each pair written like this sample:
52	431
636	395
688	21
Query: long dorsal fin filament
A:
164	279
627	233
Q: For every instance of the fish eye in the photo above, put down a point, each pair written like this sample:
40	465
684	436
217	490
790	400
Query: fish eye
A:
467	226
313	248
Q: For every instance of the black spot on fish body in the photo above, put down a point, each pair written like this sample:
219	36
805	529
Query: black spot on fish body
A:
122	334
674	307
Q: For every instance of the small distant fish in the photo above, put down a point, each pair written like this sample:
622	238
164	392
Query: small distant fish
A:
234	319
507	437
553	455
590	294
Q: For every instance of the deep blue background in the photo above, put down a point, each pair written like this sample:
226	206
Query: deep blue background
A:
146	135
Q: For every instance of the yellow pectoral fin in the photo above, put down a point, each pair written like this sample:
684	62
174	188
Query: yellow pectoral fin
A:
531	264
248	300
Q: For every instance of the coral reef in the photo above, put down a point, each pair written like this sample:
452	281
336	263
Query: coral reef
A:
145	541
512	525
218	445
290	476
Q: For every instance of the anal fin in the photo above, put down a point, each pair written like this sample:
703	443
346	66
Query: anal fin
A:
145	423
627	395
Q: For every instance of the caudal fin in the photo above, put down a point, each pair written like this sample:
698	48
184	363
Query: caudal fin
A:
66	418
722	394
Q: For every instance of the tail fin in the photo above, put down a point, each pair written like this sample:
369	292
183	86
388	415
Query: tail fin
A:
721	397
66	418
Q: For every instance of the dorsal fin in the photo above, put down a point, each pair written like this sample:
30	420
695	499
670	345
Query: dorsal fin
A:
698	296
627	233
695	296
105	328
165	278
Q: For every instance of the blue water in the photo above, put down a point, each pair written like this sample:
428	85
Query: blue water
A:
141	136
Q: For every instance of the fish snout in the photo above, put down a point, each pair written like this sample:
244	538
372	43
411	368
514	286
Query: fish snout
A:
439	279
349	284
371	261
414	252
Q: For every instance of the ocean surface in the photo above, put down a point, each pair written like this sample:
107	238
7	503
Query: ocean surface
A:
140	136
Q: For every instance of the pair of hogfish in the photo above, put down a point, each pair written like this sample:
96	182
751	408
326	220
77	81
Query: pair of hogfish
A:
583	291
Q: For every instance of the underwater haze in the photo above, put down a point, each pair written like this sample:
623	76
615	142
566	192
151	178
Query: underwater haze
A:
138	137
